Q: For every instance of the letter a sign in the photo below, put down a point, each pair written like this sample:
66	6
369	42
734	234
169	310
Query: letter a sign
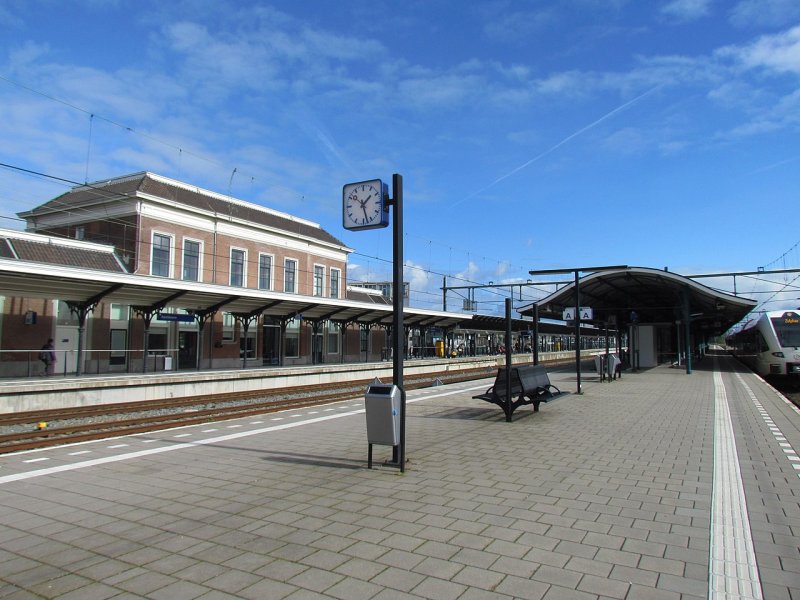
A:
586	314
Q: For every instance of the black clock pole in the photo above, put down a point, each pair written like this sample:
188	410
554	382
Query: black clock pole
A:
397	325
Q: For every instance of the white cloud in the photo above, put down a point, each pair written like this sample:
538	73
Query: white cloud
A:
769	13
687	10
779	52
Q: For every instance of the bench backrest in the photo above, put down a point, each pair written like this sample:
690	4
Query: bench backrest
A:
500	382
533	376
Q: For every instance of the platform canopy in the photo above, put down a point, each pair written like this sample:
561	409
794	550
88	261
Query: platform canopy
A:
643	295
88	286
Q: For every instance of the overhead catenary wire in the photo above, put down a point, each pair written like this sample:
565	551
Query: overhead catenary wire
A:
430	270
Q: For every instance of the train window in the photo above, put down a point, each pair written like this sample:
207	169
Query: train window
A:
787	328
762	343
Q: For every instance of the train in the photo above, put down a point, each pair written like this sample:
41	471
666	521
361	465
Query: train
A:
769	344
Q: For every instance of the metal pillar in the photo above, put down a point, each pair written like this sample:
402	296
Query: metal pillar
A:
687	319
578	330
397	321
146	315
535	334
508	360
245	320
81	312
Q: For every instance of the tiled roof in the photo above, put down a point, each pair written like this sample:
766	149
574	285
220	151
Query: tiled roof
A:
359	296
190	196
5	249
70	256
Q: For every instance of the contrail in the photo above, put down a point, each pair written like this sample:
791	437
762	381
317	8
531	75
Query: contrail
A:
559	144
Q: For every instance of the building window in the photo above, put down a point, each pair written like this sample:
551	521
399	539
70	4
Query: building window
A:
292	340
319	280
228	327
118	347
157	341
119	312
191	260
364	338
65	316
264	272
238	258
335	276
334	334
161	259
289	275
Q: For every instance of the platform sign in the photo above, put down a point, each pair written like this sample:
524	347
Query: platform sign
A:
586	314
179	317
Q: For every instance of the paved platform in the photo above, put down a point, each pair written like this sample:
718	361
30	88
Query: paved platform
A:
659	486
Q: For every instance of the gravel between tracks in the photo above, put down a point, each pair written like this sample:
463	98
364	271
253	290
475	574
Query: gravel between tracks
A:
165	411
357	391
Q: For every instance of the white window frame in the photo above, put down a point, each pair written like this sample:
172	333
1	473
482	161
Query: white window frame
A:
199	259
321	289
294	283
244	266
270	283
334	291
171	259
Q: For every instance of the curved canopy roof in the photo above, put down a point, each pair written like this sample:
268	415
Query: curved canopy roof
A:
644	295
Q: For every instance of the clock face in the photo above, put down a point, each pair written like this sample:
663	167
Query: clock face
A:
363	206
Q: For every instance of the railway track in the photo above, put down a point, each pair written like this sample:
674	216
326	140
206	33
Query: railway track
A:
39	429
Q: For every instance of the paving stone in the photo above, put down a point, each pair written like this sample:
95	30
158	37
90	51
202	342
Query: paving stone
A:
398	579
520	587
438	589
624	508
557	577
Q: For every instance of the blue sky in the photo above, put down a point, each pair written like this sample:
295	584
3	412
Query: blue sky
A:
530	135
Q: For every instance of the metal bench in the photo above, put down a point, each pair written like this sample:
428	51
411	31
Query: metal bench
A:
529	385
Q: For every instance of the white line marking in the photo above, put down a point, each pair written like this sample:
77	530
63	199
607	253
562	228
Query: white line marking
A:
115	446
192	444
733	571
182	435
791	454
35	460
80	452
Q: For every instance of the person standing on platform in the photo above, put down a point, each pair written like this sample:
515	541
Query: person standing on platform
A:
48	357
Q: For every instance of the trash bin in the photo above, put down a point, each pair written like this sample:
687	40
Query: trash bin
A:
382	404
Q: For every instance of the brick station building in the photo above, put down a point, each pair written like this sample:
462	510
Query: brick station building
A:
159	228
